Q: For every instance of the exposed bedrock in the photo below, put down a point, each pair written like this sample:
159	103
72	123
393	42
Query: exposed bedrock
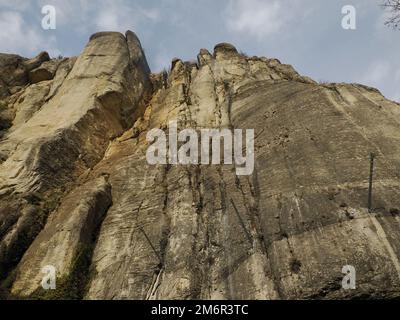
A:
76	191
61	128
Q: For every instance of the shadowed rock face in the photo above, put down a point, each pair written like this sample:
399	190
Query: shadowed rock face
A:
76	191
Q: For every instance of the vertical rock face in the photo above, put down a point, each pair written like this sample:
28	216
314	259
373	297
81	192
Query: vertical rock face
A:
61	129
77	193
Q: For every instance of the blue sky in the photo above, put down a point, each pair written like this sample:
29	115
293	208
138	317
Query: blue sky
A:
305	33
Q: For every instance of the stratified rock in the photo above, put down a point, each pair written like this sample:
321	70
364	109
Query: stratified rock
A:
45	72
203	57
286	204
76	191
224	48
64	132
14	72
36	62
66	240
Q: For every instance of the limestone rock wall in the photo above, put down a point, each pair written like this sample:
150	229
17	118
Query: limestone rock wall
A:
61	128
76	191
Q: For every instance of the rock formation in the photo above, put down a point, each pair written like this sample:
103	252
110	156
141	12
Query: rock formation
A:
77	193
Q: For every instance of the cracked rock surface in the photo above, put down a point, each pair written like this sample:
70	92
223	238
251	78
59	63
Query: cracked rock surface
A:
77	193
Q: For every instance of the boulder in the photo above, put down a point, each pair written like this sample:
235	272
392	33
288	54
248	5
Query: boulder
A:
46	71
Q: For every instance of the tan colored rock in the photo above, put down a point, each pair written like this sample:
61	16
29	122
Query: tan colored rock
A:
54	142
172	232
29	102
68	235
224	48
36	62
203	57
14	72
301	238
45	72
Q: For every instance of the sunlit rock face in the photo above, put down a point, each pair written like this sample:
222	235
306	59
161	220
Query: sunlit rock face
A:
77	193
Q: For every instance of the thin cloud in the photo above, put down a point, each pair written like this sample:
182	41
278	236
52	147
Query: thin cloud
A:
17	35
256	17
262	19
122	15
376	73
20	21
15	5
306	33
88	16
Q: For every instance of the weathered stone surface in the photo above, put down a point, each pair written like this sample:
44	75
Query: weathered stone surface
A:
74	173
298	248
13	71
69	233
31	64
45	72
14	76
224	48
65	130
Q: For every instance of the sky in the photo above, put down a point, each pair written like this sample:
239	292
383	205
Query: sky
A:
307	34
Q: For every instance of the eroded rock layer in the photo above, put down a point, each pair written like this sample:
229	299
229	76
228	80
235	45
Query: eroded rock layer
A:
77	193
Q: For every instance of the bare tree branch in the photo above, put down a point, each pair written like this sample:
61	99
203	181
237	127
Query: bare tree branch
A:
393	6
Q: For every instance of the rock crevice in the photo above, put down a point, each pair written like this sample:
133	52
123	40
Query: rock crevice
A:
77	192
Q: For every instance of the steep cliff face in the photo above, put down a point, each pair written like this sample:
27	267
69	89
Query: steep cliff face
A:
77	193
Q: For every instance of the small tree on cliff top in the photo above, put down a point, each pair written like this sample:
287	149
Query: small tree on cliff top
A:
393	6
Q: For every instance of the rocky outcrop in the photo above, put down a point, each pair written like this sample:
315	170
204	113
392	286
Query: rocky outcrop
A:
66	239
62	129
46	71
77	193
14	71
14	76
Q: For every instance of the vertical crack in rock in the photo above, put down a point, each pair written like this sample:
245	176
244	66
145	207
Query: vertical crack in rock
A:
74	131
66	243
89	105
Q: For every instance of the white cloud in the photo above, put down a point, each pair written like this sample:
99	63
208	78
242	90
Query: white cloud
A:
266	18
87	16
257	17
20	21
376	73
107	20
115	16
120	15
16	35
15	5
